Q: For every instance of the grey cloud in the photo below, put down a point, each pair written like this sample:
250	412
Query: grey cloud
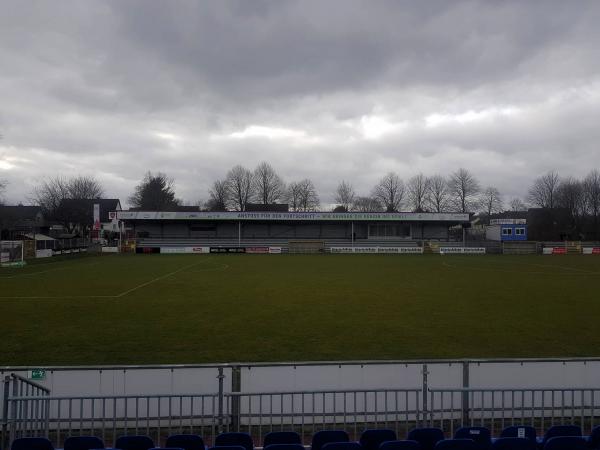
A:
99	88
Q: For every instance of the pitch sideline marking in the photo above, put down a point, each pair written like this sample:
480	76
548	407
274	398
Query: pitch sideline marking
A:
578	271
122	294
45	271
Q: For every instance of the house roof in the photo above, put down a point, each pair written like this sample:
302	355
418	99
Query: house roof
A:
176	208
20	216
39	237
82	209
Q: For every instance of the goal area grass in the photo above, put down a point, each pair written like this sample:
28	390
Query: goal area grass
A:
171	309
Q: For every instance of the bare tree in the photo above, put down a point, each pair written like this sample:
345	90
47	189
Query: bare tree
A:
491	201
390	192
464	189
570	195
543	191
417	191
591	188
302	196
239	186
437	197
156	192
83	187
50	193
292	195
309	199
516	204
345	196
218	196
366	204
268	187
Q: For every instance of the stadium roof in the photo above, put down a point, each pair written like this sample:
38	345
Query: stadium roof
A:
293	216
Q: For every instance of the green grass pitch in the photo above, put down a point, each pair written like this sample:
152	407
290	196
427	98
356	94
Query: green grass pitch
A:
130	309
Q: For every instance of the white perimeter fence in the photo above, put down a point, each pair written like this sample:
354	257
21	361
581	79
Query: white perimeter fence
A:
306	397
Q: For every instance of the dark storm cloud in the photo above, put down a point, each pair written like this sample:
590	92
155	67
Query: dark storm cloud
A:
331	90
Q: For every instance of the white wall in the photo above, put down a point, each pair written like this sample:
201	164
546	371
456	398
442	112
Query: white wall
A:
186	380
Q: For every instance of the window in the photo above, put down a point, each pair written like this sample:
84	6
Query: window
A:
520	231
506	231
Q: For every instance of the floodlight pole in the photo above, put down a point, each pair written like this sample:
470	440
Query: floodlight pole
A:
352	234
239	233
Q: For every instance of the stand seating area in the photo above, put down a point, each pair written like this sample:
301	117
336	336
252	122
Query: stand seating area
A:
560	437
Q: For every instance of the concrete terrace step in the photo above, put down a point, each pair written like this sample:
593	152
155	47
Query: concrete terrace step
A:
328	243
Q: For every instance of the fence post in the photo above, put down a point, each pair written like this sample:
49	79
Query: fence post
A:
465	394
13	426
425	392
220	377
5	441
236	387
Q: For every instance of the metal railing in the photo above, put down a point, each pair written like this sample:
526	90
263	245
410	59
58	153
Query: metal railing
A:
499	408
309	411
306	412
109	417
239	401
35	410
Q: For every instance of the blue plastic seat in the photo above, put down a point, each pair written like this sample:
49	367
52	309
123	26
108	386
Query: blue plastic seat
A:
480	435
139	442
166	448
594	439
185	442
320	438
31	443
400	445
284	447
561	430
83	443
456	444
566	443
342	446
426	437
227	447
281	437
514	443
233	439
372	439
520	431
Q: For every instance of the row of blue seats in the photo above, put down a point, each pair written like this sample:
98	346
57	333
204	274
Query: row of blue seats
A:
558	437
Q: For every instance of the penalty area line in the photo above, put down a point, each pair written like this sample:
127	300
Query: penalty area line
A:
122	294
162	277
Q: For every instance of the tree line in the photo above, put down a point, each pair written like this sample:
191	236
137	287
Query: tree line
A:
263	185
460	191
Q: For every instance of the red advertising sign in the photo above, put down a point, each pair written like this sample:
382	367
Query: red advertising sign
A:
559	251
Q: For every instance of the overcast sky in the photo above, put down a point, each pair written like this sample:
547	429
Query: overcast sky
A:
328	90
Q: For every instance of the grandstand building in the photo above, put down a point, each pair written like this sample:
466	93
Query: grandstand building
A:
160	228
